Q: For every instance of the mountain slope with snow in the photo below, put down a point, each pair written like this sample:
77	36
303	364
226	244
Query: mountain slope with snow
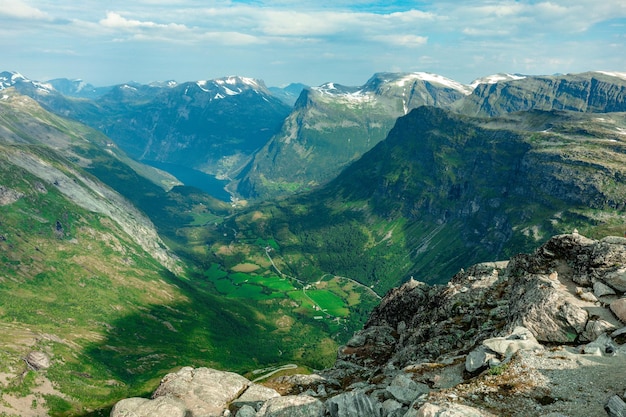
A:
332	125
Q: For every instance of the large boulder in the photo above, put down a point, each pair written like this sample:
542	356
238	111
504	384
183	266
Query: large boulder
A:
254	397
405	390
292	406
205	392
448	410
520	338
143	407
197	392
538	304
615	407
352	404
618	307
38	360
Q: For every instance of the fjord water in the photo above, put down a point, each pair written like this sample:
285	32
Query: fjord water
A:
194	178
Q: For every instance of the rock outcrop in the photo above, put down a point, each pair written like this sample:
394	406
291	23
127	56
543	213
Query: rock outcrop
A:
197	392
518	338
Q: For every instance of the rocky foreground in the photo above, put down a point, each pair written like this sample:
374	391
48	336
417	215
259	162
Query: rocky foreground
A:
539	335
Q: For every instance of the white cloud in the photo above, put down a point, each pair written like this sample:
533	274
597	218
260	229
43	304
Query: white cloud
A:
294	24
21	10
529	18
116	21
322	39
410	41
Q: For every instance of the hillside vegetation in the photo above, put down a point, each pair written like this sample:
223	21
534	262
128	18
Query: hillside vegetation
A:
87	280
444	191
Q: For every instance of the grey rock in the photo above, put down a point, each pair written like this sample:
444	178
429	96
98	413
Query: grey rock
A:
313	383
292	406
391	407
143	407
246	411
618	307
477	359
602	346
538	305
619	332
520	338
615	407
9	196
588	296
595	328
616	279
205	392
254	397
450	410
405	390
351	404
600	289
38	360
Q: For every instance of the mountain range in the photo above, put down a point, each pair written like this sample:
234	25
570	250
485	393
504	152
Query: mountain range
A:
118	272
231	127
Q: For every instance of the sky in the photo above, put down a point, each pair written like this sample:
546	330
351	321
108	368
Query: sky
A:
107	42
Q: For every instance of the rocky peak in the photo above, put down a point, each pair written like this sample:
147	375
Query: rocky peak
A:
15	79
540	334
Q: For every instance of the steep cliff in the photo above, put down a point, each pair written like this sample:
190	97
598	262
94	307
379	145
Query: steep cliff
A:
594	92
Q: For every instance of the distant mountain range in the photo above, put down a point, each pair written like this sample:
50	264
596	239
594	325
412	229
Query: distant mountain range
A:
237	129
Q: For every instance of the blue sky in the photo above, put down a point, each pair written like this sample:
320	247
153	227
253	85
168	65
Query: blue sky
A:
108	42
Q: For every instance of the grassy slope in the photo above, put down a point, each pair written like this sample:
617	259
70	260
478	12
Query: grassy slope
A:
114	320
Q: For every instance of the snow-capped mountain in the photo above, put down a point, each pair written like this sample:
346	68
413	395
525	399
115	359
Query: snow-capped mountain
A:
425	88
496	78
332	125
211	125
15	79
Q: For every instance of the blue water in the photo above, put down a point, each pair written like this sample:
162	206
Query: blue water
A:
194	178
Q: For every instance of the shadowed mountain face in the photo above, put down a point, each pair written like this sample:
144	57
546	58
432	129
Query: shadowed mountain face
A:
213	125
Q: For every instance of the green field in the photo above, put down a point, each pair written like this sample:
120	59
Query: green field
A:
333	300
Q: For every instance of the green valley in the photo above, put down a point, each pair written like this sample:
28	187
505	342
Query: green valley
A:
86	280
117	273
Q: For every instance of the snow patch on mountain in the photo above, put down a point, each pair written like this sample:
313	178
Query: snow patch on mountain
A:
621	75
495	78
9	79
433	79
201	84
228	86
331	90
